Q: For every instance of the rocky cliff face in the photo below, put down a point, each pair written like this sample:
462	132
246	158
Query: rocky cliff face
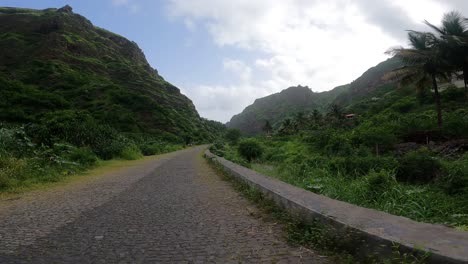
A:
277	107
55	53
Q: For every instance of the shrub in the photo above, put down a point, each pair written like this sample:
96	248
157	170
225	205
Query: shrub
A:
379	182
10	169
150	149
218	148
453	94
454	179
130	152
356	166
233	135
404	105
376	137
83	156
456	123
14	141
339	145
418	166
250	149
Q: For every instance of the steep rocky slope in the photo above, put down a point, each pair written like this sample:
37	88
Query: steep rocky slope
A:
277	107
54	60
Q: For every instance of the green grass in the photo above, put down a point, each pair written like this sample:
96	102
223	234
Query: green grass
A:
131	153
376	188
421	203
24	174
340	246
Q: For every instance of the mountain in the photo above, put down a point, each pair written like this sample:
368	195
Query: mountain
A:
54	61
371	83
277	107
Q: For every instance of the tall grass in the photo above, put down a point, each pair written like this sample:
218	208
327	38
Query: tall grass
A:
375	187
24	162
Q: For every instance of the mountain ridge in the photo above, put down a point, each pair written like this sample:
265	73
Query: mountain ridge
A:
58	54
279	106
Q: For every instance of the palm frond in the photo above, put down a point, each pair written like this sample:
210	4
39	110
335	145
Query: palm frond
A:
435	28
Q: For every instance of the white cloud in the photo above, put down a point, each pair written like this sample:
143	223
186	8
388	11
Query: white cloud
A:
321	44
239	68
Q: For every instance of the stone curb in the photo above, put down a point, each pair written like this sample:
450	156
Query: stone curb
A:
372	232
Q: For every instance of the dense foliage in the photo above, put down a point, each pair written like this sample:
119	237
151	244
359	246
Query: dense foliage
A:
72	94
382	143
53	61
279	107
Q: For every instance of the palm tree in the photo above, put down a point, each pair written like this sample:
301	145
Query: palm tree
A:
316	116
423	65
267	127
335	111
300	120
454	41
287	127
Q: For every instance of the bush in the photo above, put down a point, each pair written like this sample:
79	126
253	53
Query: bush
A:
250	149
453	94
152	148
233	135
338	145
83	156
10	170
404	105
379	182
454	179
456	123
217	148
356	166
130	152
418	166
14	141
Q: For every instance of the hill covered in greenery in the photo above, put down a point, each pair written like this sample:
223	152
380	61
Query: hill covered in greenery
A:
395	140
56	64
277	107
72	93
300	100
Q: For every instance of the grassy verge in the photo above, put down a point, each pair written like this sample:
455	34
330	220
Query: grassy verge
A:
23	178
369	181
339	247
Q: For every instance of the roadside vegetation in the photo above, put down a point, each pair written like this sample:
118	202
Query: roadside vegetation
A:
89	96
402	153
36	154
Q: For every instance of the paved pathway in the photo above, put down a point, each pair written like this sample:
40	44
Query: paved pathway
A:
170	210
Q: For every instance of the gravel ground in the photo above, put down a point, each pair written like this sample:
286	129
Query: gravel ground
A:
170	210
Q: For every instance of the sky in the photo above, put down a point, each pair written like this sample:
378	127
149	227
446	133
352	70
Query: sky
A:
223	54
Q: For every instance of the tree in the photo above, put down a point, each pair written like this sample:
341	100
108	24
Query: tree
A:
316	116
453	35
288	127
267	127
250	149
335	111
300	120
423	65
233	135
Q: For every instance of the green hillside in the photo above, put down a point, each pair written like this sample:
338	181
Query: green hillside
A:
277	107
390	155
72	94
54	61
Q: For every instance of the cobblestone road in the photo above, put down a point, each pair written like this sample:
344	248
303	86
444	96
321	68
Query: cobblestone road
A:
175	209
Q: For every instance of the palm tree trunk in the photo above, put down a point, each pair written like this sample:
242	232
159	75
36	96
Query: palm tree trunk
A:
437	101
465	77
